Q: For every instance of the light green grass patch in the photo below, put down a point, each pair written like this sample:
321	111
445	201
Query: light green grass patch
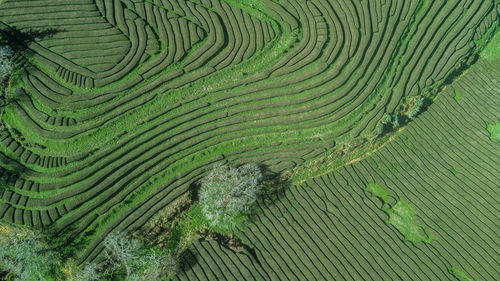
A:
494	130
458	95
377	190
459	274
492	50
401	216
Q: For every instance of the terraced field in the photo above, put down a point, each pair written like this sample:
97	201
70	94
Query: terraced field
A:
444	165
129	102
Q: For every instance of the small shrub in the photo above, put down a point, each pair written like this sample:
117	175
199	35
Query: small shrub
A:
417	107
227	195
380	129
395	121
388	123
386	119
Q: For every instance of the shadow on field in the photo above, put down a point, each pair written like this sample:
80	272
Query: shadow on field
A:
274	186
187	260
20	41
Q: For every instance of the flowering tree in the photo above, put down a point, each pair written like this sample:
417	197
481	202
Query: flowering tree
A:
227	194
6	63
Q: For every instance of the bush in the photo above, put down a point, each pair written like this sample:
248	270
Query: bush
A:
417	107
380	129
395	122
388	123
386	119
227	194
89	272
6	63
129	255
25	256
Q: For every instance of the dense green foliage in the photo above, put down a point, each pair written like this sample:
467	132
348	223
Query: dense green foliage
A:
86	272
416	108
389	122
26	256
121	105
226	199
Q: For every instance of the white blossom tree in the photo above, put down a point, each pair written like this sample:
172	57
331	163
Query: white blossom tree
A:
227	194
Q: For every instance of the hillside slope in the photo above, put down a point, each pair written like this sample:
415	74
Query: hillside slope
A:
121	105
444	165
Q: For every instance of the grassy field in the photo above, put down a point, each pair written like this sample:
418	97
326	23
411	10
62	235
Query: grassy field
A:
120	107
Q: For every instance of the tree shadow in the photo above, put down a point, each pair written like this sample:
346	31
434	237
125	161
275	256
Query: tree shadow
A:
273	186
194	190
187	260
20	41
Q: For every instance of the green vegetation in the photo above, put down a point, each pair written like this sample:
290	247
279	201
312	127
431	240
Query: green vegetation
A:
494	130
416	108
227	195
458	95
401	216
6	63
459	274
492	50
87	272
226	199
183	234
112	112
389	122
332	227
24	255
376	190
128	256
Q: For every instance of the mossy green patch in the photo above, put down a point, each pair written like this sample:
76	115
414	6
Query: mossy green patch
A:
401	216
458	95
459	274
377	190
492	50
494	130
